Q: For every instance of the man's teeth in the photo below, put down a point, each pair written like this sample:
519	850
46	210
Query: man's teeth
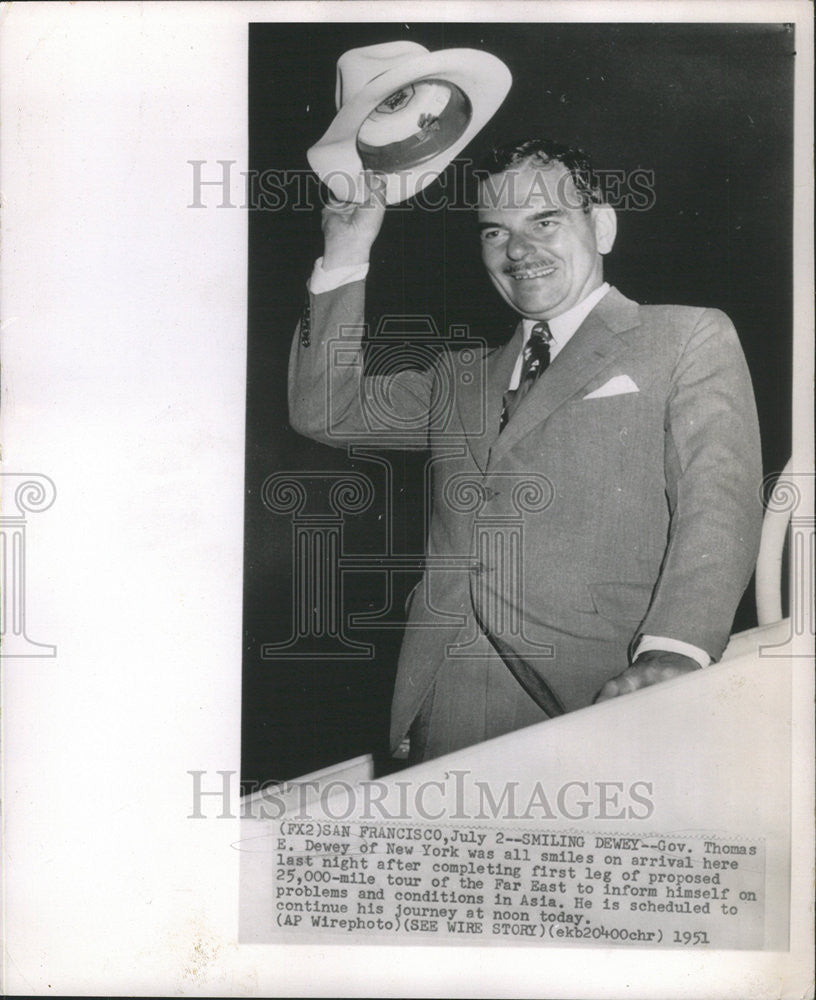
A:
531	272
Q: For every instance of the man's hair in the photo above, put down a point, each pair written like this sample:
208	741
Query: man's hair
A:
544	152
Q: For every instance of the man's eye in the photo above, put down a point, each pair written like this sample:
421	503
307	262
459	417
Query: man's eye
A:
491	235
544	224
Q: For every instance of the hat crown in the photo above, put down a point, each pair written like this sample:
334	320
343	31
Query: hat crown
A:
404	112
358	67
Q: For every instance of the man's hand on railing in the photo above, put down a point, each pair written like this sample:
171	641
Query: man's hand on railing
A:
651	667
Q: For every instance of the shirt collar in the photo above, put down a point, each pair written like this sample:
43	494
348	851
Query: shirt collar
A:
564	326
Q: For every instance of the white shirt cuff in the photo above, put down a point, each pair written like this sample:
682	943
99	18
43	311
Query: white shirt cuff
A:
326	281
656	642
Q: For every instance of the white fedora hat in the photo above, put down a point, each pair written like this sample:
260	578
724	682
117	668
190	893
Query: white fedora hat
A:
406	113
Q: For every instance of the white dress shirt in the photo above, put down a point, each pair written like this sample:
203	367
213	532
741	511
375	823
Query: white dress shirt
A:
561	328
327	281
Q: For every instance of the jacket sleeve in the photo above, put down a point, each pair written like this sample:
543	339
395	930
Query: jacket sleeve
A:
331	399
713	475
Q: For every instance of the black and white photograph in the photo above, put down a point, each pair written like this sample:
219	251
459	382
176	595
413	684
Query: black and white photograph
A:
407	499
433	561
690	130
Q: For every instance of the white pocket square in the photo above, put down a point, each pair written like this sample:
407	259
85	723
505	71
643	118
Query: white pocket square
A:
618	385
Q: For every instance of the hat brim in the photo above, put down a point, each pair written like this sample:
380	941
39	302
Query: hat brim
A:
335	159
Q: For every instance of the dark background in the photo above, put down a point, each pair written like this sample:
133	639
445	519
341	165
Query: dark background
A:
707	108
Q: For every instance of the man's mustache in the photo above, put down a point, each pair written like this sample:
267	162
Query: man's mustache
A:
528	265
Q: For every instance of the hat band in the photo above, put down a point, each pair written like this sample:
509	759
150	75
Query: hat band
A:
429	133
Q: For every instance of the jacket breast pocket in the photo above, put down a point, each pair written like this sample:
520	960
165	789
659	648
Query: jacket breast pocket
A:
611	399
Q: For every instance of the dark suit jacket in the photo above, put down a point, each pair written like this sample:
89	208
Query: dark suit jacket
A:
622	498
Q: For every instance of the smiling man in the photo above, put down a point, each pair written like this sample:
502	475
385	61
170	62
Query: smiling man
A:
621	446
543	240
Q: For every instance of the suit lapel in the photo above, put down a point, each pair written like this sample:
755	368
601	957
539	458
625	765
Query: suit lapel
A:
590	349
498	367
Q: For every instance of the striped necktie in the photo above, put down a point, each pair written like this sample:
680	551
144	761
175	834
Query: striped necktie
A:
535	359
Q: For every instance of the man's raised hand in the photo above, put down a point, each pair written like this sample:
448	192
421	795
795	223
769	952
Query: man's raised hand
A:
349	229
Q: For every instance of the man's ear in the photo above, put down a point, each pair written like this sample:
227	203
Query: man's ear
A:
606	227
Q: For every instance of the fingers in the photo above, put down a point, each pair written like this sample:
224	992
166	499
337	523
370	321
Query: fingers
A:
631	679
374	191
334	206
376	188
609	690
622	684
350	228
663	667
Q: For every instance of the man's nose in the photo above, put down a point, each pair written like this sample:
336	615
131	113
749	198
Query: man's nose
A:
518	247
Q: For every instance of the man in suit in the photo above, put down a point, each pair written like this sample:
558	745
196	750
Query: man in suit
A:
612	450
